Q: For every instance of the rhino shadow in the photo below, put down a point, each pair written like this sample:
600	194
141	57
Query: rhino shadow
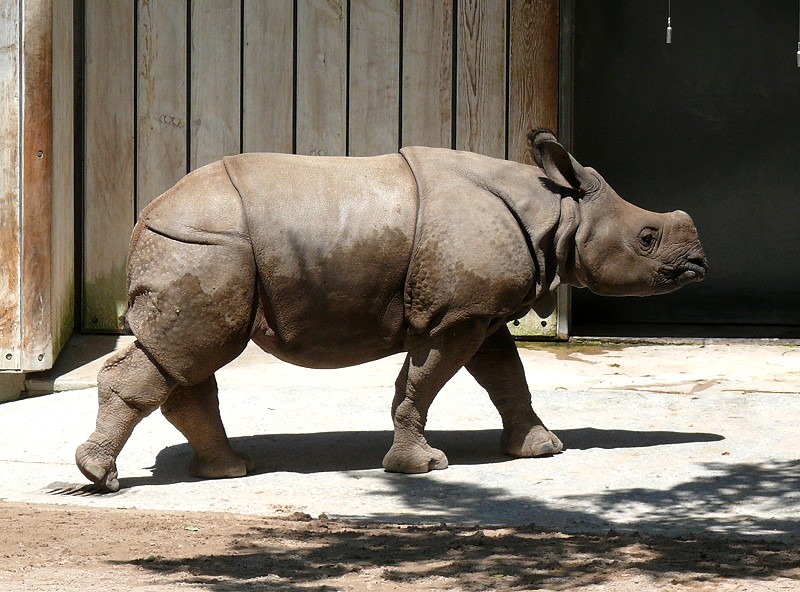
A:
323	452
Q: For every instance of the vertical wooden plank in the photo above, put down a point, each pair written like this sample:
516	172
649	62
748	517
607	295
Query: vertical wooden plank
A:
533	103
215	109
481	77
63	242
268	76
10	338
374	106
109	161
321	77
566	72
37	182
533	76
566	81
161	98
427	73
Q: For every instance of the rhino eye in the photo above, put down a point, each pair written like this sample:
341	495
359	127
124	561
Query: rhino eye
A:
647	238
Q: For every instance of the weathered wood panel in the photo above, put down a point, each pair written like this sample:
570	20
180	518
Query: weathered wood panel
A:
374	106
36	282
268	73
533	103
63	228
215	109
161	98
37	183
427	73
10	338
481	77
109	160
533	65
321	77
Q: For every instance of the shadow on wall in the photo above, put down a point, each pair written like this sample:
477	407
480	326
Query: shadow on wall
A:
84	349
293	556
82	353
357	451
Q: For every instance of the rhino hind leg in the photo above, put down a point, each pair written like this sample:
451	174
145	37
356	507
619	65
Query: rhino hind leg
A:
130	387
194	411
426	370
191	309
498	369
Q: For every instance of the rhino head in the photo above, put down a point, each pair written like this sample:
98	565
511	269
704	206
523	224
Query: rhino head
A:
608	245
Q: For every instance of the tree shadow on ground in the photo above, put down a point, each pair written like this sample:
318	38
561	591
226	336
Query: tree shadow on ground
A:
357	451
708	505
329	554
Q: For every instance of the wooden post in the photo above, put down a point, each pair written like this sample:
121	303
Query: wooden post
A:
63	223
533	103
10	202
37	182
36	286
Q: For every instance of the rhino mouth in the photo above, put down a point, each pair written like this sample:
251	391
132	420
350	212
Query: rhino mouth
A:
691	270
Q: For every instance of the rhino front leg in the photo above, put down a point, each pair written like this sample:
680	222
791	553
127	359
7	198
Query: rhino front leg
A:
130	387
194	411
497	368
426	370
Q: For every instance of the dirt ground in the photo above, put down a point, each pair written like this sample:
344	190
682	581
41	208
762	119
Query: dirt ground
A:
47	548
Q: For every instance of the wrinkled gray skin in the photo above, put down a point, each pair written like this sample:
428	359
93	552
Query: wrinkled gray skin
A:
332	261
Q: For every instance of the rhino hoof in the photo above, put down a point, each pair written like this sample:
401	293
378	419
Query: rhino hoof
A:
220	467
531	442
99	468
417	458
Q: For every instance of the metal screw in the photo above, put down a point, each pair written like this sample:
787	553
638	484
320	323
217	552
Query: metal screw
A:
544	323
9	356
40	153
94	319
41	357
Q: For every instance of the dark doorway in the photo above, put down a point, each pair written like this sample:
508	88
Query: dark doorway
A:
709	124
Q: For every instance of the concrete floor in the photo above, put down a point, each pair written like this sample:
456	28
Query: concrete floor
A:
699	437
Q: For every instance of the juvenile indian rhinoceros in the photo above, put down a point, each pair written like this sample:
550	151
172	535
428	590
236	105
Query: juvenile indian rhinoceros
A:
333	261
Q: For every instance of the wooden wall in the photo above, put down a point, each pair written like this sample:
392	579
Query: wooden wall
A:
10	199
36	188
171	85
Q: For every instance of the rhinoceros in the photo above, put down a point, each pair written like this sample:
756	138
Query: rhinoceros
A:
328	262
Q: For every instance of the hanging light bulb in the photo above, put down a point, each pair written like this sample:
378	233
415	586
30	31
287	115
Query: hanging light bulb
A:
669	24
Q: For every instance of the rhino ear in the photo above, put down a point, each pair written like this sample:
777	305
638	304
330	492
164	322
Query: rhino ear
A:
558	164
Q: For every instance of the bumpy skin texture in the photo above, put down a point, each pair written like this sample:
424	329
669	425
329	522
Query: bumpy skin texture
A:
331	261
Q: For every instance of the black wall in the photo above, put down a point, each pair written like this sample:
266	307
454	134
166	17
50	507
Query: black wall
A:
711	125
